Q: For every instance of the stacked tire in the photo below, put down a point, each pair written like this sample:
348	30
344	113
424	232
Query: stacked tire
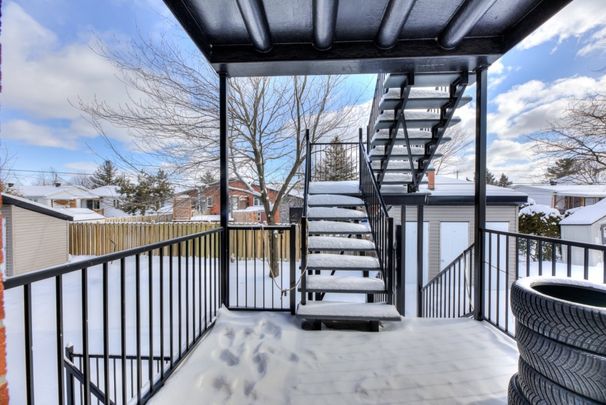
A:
561	337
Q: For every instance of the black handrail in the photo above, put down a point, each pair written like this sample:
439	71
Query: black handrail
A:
381	224
28	278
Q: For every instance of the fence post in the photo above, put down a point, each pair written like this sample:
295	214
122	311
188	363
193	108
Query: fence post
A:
293	262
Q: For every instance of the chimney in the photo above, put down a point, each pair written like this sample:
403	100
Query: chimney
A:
182	208
431	180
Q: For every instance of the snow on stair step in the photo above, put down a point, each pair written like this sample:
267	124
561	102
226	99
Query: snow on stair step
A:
344	284
334	213
337	228
333	200
348	311
339	244
335	187
328	261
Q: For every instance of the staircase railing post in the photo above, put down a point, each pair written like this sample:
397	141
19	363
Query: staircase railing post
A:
420	264
303	270
69	381
391	260
293	263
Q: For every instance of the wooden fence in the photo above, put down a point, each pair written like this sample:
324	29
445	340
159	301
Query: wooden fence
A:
139	218
99	238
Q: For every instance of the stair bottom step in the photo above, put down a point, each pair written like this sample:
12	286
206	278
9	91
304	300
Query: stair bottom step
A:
348	311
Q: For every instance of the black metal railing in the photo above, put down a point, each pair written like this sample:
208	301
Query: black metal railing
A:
117	372
330	161
510	256
155	301
507	257
381	224
450	293
262	267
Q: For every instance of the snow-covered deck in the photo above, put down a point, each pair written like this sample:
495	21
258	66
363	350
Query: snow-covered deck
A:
266	358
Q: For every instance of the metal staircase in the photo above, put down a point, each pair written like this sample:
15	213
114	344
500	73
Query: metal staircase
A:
341	256
410	115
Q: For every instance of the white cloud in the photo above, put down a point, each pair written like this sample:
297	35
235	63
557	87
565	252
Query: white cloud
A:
86	167
580	17
39	135
533	106
596	44
41	76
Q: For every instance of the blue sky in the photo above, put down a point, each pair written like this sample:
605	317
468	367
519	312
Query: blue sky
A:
48	64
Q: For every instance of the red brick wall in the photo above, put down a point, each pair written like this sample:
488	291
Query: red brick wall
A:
247	199
3	382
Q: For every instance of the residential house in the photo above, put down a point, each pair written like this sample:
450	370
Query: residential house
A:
563	196
110	200
36	236
449	220
245	202
61	196
588	225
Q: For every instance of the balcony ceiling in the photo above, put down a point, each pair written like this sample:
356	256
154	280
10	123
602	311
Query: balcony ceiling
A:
285	37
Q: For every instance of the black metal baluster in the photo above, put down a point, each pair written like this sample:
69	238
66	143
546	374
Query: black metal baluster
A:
498	307
585	263
123	326
138	323
569	261
186	295
161	259
29	342
106	332
507	287
150	288
59	326
170	303
179	304
85	348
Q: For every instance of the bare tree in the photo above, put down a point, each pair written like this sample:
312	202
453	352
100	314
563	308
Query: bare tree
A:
172	115
580	135
6	160
451	150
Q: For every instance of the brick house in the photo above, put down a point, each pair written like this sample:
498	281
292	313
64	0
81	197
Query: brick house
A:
245	204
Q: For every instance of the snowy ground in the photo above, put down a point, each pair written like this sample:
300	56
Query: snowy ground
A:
267	358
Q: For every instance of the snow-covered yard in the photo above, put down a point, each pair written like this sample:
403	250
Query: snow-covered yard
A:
266	358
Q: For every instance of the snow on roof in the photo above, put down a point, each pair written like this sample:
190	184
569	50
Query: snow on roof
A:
540	209
24	203
449	186
57	192
252	208
82	214
206	218
586	215
576	190
107	191
114	212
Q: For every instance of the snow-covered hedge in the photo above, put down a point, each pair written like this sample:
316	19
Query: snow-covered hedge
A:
541	220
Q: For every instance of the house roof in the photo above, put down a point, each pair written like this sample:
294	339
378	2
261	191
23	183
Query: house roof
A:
8	199
278	37
107	191
67	192
82	214
570	190
450	190
586	215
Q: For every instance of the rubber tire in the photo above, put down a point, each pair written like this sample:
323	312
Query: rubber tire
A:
577	325
579	371
541	391
514	393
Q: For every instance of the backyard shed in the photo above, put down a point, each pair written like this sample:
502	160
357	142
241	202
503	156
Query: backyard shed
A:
35	236
588	225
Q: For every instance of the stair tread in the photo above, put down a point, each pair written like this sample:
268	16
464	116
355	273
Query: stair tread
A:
336	227
337	243
344	284
348	311
334	200
335	213
332	261
349	187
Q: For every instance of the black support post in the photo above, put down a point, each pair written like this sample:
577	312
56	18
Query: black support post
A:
401	262
224	183
420	212
480	193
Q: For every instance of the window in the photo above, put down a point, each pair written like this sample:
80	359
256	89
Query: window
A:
603	229
209	202
234	203
256	201
92	204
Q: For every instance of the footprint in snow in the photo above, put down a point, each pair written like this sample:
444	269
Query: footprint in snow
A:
220	384
260	360
269	328
229	358
226	339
